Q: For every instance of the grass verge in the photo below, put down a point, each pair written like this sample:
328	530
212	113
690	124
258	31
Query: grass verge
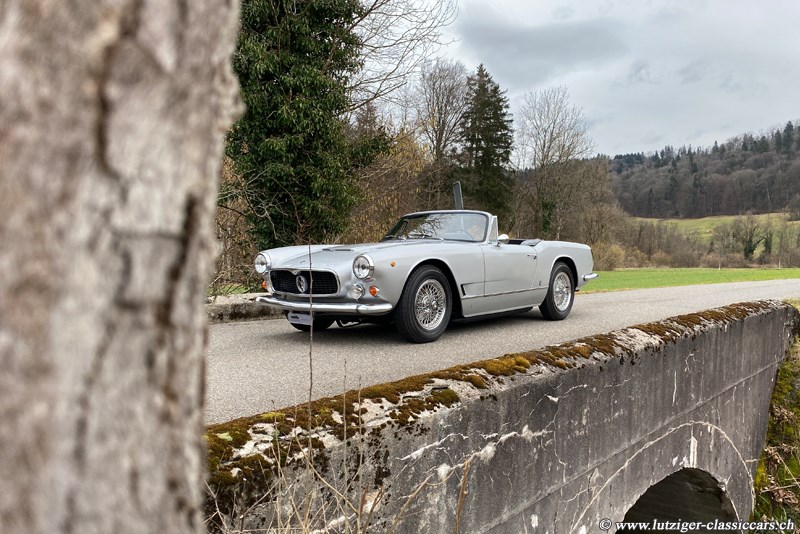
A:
650	278
776	485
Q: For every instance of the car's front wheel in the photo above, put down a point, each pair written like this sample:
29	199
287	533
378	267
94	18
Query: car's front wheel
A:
560	294
424	309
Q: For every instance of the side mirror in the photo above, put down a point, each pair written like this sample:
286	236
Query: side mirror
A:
502	239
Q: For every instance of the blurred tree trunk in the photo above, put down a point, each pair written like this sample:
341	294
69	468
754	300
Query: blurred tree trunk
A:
111	129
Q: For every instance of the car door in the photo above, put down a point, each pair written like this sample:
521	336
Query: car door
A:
508	268
509	273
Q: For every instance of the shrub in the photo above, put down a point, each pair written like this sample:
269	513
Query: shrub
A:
608	256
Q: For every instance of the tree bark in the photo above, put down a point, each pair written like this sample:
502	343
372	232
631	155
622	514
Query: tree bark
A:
112	117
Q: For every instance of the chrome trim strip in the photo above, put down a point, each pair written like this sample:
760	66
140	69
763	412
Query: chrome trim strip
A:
501	293
326	307
590	276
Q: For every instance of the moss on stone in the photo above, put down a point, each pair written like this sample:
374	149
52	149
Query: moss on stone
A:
506	366
442	397
477	381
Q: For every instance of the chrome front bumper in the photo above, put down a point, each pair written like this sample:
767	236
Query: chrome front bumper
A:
326	307
590	276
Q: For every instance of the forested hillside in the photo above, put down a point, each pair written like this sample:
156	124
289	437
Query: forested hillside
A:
748	173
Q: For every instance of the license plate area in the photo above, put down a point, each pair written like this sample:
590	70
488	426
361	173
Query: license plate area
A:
299	318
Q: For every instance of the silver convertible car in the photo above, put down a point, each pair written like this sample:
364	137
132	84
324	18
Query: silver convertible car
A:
430	268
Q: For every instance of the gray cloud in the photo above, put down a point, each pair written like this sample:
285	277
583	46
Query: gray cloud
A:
563	13
646	73
640	73
743	87
694	71
731	84
530	55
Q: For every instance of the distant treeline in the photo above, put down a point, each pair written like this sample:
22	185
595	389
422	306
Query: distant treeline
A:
748	173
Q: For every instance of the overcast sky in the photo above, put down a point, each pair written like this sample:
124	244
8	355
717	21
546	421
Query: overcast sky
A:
646	73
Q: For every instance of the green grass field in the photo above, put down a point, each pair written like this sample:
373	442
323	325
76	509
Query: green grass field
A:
703	229
647	278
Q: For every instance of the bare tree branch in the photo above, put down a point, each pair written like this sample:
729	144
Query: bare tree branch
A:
551	137
440	105
397	37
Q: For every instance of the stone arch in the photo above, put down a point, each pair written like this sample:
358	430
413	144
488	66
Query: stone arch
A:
690	494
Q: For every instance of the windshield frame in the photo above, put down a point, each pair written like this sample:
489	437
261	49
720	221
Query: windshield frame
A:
403	230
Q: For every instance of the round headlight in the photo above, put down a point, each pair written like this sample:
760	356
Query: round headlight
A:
262	263
363	267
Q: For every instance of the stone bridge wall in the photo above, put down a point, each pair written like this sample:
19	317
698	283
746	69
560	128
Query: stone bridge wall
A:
545	441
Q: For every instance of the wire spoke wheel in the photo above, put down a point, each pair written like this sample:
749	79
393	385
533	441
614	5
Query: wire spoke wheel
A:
562	291
560	294
430	304
424	309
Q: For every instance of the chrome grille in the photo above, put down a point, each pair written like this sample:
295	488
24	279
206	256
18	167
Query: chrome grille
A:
313	282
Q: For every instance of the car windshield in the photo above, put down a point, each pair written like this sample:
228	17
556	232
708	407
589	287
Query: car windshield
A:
470	227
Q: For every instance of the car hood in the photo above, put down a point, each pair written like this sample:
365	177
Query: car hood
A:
334	256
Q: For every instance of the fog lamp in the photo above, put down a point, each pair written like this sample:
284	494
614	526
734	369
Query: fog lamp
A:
356	291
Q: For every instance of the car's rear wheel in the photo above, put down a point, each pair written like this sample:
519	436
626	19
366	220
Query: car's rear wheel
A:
560	293
320	323
424	309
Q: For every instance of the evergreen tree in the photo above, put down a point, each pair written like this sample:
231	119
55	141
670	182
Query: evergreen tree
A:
656	160
290	147
698	197
788	137
673	187
650	209
777	139
486	138
693	168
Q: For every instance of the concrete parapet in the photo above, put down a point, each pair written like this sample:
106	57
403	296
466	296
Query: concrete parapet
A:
552	440
242	307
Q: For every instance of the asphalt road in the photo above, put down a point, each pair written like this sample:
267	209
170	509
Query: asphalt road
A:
263	365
